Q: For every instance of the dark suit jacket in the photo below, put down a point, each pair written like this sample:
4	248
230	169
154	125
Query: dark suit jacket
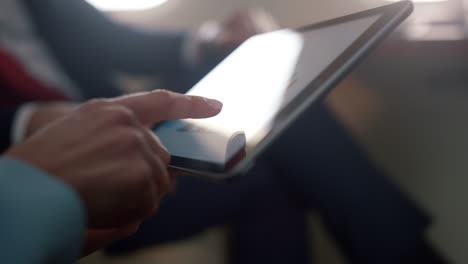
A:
91	49
6	119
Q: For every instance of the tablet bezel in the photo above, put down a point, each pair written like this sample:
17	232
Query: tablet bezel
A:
391	16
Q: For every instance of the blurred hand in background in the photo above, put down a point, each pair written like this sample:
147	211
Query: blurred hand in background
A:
219	38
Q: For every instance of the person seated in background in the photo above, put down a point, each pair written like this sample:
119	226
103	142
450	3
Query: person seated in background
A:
55	185
66	50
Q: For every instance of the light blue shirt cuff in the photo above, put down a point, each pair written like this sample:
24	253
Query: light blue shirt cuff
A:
21	121
42	220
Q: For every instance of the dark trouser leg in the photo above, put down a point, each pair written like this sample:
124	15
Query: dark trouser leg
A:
373	221
271	230
266	223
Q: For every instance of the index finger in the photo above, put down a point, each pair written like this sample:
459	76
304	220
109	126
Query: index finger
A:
160	105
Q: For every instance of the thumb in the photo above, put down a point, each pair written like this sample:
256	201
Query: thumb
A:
161	105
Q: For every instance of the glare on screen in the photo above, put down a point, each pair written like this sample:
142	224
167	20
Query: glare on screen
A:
421	1
277	73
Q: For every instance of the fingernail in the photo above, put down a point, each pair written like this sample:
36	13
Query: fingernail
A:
215	104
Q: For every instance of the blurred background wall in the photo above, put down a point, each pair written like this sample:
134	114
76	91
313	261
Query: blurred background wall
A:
182	13
407	103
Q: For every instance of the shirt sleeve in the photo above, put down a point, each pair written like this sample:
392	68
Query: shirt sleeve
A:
20	122
41	219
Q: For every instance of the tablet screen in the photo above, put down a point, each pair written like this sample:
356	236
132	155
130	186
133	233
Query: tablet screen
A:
255	83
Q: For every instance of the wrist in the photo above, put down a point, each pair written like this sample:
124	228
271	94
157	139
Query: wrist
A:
44	114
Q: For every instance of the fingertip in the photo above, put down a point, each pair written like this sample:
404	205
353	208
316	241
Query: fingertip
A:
214	104
202	107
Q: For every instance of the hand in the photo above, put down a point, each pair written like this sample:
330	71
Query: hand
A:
105	151
221	37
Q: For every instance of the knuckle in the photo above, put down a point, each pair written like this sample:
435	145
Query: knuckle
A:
164	94
120	115
131	138
137	139
162	178
95	104
166	97
165	156
134	137
191	102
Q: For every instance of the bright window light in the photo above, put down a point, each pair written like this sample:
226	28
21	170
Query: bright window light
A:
422	1
125	5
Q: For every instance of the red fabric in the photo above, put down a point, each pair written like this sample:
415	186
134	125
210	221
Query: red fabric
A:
17	86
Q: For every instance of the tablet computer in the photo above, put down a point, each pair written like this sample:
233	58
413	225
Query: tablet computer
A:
266	83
